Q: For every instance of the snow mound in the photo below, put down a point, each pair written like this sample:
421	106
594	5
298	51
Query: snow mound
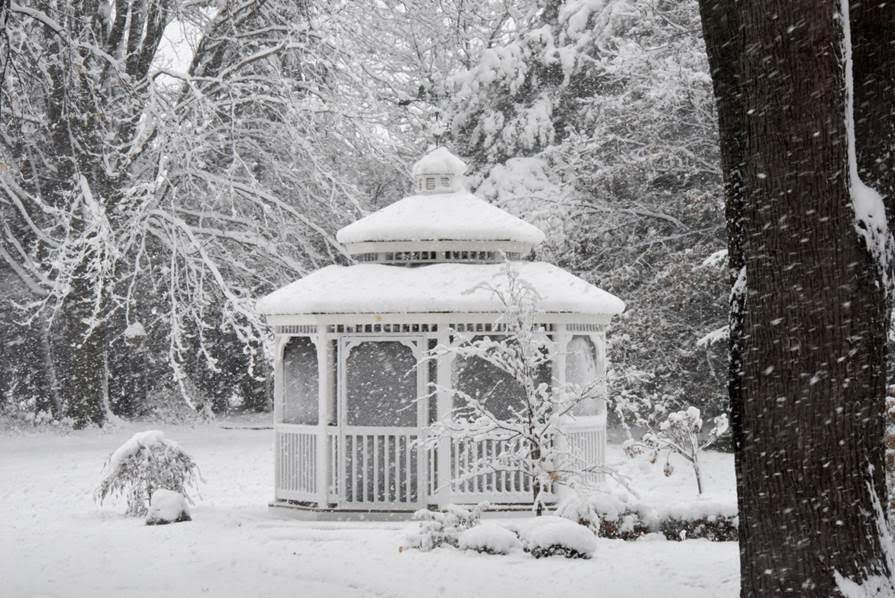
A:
550	535
146	439
167	506
134	330
489	537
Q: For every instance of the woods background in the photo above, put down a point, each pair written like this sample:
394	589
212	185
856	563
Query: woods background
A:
163	163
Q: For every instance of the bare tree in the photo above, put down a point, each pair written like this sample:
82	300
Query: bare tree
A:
137	191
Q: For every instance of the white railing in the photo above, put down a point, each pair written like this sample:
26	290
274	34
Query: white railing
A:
381	467
474	480
296	462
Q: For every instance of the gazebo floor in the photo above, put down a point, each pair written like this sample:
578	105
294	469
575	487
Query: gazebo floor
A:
309	512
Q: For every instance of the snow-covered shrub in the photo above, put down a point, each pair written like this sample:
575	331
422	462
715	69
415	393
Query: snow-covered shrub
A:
145	463
167	506
679	434
551	535
490	538
620	516
437	528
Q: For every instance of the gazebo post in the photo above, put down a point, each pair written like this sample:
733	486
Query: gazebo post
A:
324	378
444	403
561	339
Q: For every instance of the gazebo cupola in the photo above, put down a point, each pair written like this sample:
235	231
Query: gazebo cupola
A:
441	222
354	394
440	171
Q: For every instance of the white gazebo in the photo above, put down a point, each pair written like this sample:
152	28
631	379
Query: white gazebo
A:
352	403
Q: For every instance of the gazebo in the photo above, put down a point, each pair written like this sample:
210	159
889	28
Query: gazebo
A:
353	393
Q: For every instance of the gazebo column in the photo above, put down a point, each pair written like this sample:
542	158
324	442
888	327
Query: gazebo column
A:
324	380
445	405
561	339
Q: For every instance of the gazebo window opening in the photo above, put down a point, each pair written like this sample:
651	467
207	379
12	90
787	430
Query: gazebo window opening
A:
430	183
481	380
381	384
583	370
300	382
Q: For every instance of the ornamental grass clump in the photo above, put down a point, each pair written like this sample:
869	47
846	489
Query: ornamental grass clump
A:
146	463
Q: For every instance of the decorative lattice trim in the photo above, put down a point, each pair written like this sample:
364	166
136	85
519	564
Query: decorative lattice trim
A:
296	329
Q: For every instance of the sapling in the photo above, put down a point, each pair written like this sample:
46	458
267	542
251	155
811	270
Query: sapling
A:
529	429
145	463
678	434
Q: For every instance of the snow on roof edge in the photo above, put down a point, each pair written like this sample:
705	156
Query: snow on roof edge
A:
436	288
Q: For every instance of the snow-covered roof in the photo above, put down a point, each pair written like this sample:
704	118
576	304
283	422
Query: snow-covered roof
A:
459	216
439	161
438	288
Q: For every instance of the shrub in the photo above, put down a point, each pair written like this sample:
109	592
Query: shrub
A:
618	516
550	535
489	538
443	527
143	464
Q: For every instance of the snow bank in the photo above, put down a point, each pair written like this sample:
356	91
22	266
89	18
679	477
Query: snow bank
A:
167	506
378	288
489	537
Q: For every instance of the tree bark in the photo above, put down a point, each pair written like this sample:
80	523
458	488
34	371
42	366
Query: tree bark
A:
807	399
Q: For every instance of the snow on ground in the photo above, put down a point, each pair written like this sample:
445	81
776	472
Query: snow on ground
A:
57	542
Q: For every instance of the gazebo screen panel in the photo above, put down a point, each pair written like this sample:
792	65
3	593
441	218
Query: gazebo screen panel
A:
381	384
300	381
482	380
583	366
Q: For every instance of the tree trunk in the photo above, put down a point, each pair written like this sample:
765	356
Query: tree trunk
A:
807	398
46	345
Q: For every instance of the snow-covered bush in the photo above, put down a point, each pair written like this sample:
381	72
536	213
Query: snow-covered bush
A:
551	535
679	434
167	506
490	538
619	516
145	463
437	528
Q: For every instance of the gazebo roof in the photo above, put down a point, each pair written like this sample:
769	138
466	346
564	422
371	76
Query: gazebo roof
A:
437	288
459	216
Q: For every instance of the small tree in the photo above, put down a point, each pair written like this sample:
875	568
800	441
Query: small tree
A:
679	434
533	441
144	464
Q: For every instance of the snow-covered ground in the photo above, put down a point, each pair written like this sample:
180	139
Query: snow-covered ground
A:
55	541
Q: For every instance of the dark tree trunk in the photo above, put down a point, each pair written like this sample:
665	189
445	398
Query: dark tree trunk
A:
720	28
807	395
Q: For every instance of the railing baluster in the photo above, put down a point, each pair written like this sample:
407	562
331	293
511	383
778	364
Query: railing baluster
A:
376	468
408	470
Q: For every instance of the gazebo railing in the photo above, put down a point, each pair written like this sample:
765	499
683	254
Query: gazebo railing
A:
296	462
381	468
